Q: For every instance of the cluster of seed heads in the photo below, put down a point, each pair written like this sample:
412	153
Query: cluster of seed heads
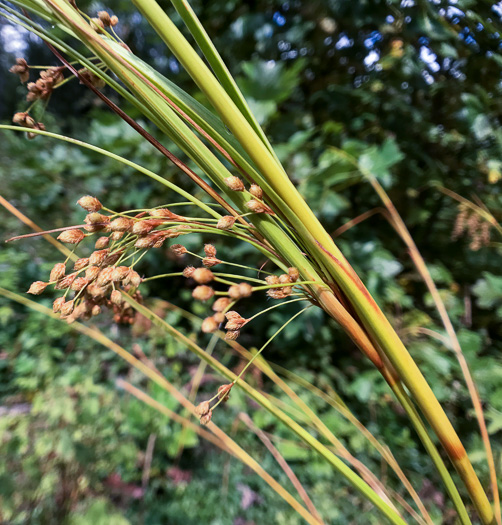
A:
255	205
204	409
100	280
52	77
469	222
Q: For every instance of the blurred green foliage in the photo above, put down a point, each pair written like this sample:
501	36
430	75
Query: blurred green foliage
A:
411	92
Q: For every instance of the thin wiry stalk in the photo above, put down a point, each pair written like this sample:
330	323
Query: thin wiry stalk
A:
357	483
283	463
153	375
407	405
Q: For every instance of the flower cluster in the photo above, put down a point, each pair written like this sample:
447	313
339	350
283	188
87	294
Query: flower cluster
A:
478	230
102	280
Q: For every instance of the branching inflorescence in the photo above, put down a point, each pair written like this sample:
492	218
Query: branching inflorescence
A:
259	205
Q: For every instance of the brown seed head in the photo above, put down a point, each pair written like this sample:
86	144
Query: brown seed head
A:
120	273
202	408
89	76
202	275
57	272
133	278
233	292
272	279
98	257
209	325
279	293
67	308
221	304
92	272
114	20
209	262
96	310
165	213
257	206
232	335
178	249
66	282
143	243
96	24
121	224
80	264
205	420
96	222
234	183
71	236
256	191
284	278
37	287
104	277
116	297
90	204
202	293
96	292
105	18
23	119
22	69
188	271
144	227
226	222
235	321
245	289
57	304
224	391
116	236
294	274
209	250
219	317
79	283
102	243
112	258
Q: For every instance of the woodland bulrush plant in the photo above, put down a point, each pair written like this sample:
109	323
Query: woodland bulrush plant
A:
250	199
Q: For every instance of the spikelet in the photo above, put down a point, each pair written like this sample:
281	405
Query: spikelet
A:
209	250
294	274
80	264
256	191
37	287
92	272
57	272
120	273
272	279
66	282
209	262
98	257
188	271
209	325
121	224
178	249
90	204
71	236
104	277
226	222
57	304
239	291
202	293
234	183
221	304
257	206
79	283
